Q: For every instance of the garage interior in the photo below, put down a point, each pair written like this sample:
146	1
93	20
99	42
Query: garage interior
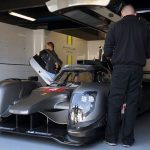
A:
21	39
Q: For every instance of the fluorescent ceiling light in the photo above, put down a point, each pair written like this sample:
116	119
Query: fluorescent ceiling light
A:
22	16
143	11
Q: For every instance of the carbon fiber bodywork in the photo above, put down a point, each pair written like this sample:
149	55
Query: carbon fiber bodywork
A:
69	114
12	90
45	111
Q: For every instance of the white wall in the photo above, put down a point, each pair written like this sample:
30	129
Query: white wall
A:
38	40
16	47
18	44
93	49
15	44
15	71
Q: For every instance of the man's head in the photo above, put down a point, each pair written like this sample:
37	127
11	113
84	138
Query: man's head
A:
128	10
50	46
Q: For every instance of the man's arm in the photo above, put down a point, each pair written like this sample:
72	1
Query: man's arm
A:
109	42
56	59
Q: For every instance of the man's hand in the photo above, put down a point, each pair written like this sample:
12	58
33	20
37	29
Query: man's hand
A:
56	66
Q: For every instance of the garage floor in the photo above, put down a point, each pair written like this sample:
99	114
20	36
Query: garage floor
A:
13	142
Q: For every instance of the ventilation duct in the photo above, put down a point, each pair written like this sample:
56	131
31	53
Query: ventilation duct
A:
92	13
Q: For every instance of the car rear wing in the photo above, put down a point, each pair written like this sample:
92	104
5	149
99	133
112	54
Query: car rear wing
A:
91	13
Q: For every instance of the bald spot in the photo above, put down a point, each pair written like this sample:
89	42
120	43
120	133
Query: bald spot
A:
128	10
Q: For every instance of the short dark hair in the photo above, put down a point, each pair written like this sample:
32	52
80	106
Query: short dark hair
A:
128	5
51	44
123	6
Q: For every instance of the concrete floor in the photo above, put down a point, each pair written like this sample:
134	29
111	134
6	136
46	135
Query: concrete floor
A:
14	142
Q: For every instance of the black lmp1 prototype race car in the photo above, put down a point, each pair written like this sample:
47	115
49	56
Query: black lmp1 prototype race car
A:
72	110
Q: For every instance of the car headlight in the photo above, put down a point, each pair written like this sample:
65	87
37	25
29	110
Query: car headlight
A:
82	105
77	115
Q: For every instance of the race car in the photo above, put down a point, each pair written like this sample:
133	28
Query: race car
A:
74	100
72	110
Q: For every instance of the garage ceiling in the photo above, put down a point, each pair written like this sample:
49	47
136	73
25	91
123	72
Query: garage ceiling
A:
141	5
46	20
35	9
138	4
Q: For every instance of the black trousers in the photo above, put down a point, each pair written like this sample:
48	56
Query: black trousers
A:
125	88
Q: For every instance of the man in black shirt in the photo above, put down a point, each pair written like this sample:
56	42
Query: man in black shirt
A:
128	46
51	59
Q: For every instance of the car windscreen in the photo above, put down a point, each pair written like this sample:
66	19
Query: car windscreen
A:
75	77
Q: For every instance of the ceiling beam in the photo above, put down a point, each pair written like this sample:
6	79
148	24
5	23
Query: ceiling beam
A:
8	5
63	25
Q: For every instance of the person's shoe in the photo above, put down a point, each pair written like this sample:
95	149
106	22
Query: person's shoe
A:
126	145
111	143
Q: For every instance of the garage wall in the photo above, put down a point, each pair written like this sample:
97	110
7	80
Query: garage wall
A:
78	48
18	44
38	40
93	49
147	68
16	47
93	52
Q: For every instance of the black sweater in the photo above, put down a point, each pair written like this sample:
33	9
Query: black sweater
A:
128	42
50	58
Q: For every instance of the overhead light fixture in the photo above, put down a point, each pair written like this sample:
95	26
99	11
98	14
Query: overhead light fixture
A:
22	16
143	11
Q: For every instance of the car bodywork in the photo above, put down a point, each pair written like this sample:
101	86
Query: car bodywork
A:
52	111
72	110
